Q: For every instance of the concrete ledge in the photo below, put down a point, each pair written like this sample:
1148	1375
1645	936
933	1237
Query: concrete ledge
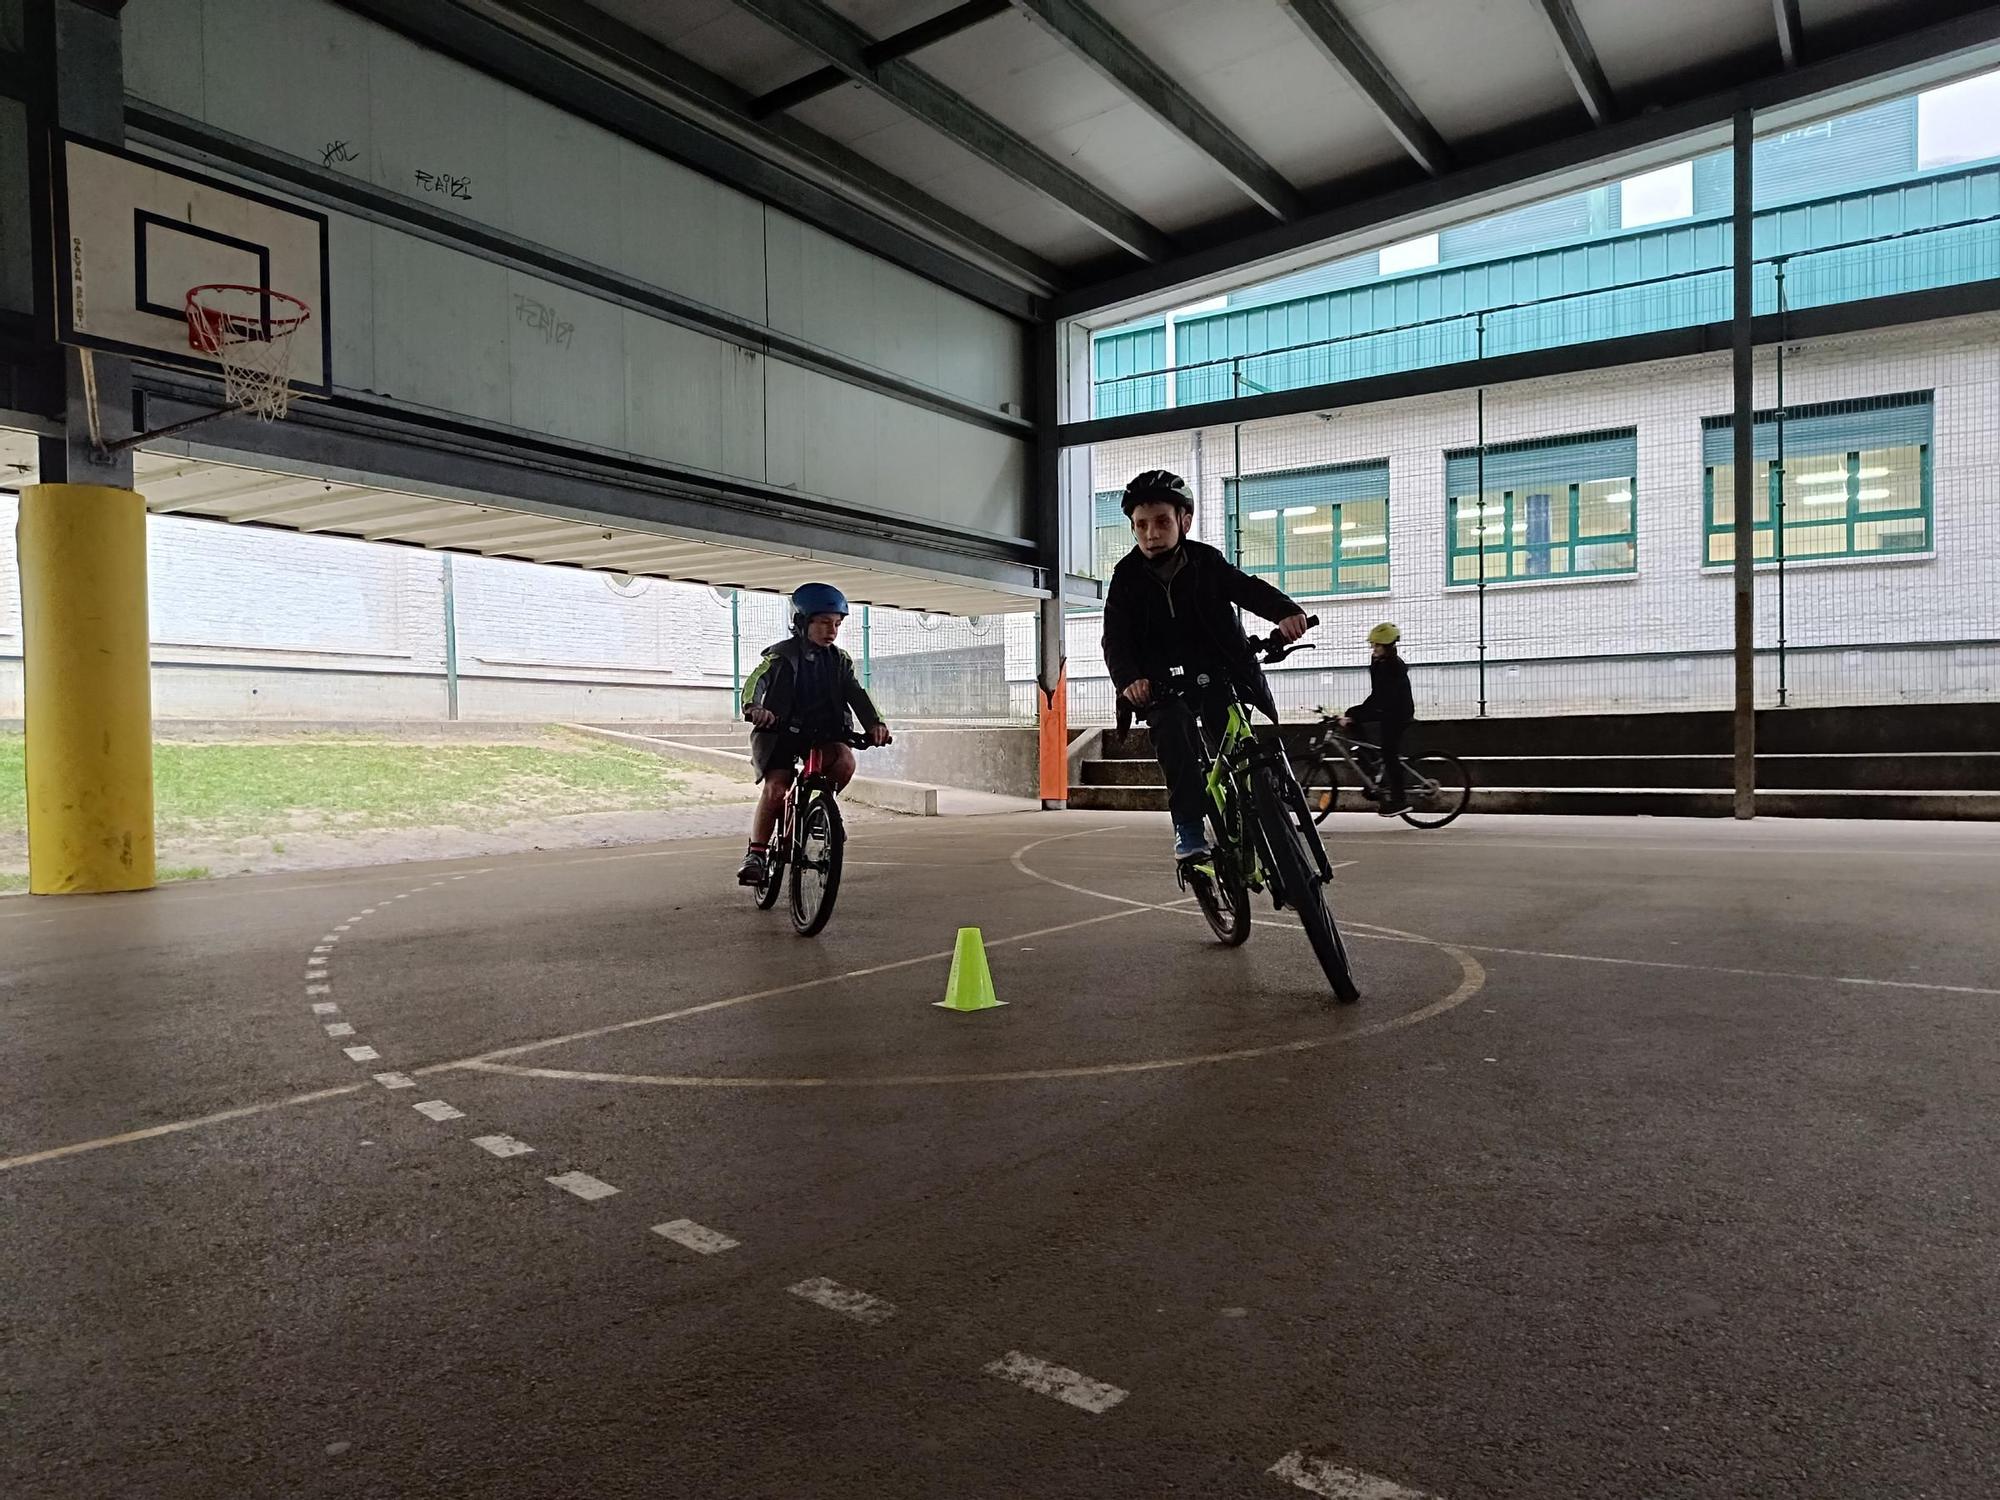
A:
869	791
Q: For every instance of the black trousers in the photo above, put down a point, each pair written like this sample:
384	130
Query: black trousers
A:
1389	737
1176	725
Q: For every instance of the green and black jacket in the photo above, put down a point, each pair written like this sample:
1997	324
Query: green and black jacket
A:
774	685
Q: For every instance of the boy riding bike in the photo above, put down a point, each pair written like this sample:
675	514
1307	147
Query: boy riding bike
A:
799	697
1169	608
1386	714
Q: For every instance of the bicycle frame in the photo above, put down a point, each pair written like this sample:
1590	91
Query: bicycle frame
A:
1228	781
1331	738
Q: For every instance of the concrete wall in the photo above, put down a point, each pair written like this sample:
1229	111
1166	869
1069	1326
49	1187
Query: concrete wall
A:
431	326
1659	637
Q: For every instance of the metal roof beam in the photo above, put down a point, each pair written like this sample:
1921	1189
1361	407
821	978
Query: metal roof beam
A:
1344	48
821	29
1150	86
1579	59
900	44
1791	31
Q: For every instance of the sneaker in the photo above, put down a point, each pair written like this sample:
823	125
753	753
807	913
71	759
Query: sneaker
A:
1392	809
1190	841
753	869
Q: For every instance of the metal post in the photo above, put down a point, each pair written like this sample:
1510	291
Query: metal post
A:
1236	469
736	652
1479	529
1745	575
450	642
1778	499
867	648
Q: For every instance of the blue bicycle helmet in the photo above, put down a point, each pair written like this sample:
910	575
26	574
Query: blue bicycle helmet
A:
810	599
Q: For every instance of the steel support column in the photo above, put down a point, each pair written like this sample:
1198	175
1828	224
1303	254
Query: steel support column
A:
1744	411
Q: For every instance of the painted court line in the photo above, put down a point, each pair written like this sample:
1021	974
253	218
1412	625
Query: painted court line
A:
502	1145
325	1008
324	948
339	1028
77	1148
696	1237
437	1109
361	1054
1059	1381
319	989
1322	1478
586	1187
845	1300
396	1080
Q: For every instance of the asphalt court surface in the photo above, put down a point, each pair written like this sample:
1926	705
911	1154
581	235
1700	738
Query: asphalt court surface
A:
1655	1160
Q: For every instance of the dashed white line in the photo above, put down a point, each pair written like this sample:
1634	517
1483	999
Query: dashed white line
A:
361	1054
368	911
325	1008
437	1109
324	948
582	1184
696	1237
502	1145
396	1080
844	1300
339	1028
319	989
1323	1478
1059	1381
343	927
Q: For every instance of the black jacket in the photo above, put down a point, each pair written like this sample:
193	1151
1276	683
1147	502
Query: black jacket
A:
775	681
1389	700
1150	630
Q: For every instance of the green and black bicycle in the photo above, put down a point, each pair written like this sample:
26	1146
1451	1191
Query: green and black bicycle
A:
1265	839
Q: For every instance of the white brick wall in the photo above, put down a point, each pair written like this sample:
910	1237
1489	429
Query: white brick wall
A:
1673	605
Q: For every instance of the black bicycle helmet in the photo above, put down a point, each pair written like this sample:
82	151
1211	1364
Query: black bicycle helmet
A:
1156	485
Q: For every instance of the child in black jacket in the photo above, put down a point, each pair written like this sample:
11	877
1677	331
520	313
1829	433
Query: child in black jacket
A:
1386	714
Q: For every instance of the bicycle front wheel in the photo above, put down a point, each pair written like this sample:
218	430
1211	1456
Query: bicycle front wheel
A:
1224	900
1437	787
773	884
1285	828
816	863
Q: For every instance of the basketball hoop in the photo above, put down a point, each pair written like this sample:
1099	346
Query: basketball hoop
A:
248	330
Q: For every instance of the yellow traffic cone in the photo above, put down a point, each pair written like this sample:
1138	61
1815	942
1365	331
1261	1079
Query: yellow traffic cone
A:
971	984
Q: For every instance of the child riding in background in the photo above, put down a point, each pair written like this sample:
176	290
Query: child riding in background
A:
1171	606
1386	714
800	697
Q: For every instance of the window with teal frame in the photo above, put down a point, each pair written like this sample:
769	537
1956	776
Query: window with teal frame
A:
1558	507
1111	533
1314	533
1856	481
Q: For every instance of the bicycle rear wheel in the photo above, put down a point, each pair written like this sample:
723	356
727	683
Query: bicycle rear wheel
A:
773	884
1438	788
1286	825
816	863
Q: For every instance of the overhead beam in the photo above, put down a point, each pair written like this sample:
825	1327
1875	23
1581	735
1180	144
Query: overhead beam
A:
1579	59
1696	123
825	31
1791	31
605	71
1344	48
900	44
1153	89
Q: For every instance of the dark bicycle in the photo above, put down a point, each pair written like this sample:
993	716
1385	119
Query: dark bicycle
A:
1436	787
808	843
1265	839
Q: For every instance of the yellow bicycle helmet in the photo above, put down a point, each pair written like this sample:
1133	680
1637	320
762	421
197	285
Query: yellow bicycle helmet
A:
1384	634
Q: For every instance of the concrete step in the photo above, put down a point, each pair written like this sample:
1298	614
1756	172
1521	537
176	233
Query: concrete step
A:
1631	801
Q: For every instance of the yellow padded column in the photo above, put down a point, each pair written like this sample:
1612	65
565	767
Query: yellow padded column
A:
89	689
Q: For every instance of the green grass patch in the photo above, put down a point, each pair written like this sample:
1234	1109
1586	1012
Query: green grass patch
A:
348	784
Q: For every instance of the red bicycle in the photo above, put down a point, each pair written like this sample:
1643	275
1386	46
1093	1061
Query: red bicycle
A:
808	844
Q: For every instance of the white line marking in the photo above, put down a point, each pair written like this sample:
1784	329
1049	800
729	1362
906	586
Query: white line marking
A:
437	1109
319	989
324	948
317	972
844	1300
696	1237
1323	1478
502	1145
361	1054
339	1028
586	1187
325	1008
396	1080
404	896
343	927
368	911
1059	1381
77	1148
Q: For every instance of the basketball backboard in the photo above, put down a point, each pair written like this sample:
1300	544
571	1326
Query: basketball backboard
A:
137	235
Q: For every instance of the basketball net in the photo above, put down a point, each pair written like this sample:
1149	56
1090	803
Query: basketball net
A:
249	331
